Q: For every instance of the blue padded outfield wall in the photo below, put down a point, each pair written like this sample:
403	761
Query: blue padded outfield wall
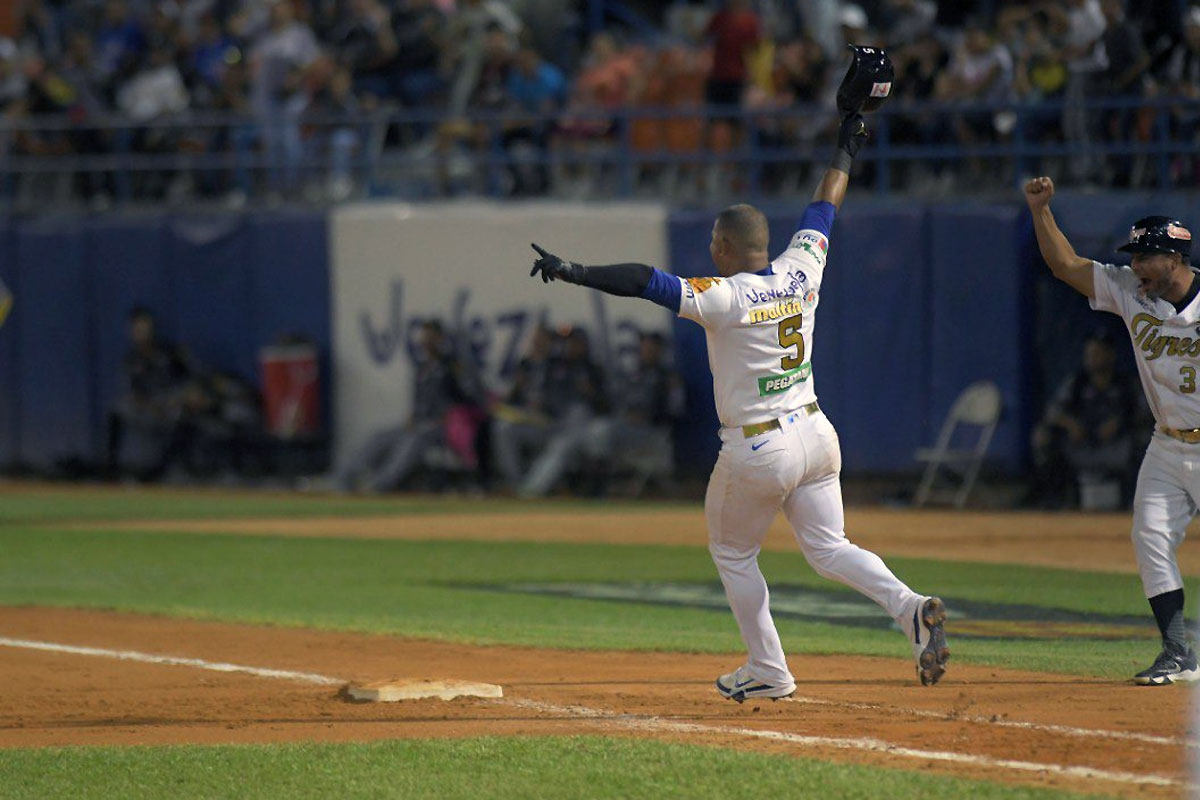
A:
223	285
919	300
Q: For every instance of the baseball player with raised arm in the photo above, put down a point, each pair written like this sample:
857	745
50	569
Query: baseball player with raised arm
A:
1156	298
778	450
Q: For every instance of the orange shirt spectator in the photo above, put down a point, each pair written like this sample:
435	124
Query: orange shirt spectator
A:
608	73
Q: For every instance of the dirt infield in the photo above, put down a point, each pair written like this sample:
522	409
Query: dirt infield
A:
1046	730
990	718
1097	542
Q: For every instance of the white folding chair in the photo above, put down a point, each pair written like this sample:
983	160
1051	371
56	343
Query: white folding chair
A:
978	406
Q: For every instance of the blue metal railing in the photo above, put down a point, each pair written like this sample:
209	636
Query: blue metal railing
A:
424	153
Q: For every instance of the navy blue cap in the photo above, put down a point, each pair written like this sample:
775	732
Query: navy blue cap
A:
1158	234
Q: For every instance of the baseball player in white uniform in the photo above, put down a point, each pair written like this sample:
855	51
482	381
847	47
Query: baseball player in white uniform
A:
1156	298
778	450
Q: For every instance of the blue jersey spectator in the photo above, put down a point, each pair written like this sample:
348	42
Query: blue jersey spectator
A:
212	52
120	40
537	86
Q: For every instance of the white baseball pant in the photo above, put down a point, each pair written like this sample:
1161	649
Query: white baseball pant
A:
795	468
1163	505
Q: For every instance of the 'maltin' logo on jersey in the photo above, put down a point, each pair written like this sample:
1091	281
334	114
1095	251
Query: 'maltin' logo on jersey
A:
1147	335
777	311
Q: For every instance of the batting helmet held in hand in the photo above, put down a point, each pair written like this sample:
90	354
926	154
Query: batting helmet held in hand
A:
868	81
1158	234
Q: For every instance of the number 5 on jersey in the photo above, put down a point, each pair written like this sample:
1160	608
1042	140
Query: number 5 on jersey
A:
789	337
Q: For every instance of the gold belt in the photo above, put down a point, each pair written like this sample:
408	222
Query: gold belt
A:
774	425
1189	436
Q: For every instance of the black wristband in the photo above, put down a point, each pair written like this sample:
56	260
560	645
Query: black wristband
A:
842	160
574	273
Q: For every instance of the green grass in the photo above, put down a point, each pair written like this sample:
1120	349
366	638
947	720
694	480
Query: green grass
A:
427	589
144	504
471	769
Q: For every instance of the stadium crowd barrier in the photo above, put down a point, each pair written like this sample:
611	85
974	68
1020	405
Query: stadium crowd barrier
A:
421	154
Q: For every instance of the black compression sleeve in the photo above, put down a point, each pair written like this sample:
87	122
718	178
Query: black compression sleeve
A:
623	280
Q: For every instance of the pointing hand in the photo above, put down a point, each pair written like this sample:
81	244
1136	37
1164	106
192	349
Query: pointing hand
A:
554	268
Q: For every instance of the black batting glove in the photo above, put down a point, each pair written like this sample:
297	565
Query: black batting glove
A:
852	134
554	268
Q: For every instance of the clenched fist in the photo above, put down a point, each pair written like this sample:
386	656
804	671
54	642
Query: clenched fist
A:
1038	192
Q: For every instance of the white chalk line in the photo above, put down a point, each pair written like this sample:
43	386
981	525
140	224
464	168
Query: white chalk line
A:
638	722
149	658
651	723
1066	730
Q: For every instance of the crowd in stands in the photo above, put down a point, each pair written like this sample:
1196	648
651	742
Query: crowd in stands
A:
297	74
564	423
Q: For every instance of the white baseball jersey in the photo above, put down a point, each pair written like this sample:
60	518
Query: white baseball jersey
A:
760	332
1166	344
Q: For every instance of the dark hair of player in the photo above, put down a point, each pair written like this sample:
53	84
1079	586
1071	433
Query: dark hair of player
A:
745	226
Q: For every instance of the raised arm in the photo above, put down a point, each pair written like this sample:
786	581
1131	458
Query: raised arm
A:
832	188
1068	266
852	133
831	191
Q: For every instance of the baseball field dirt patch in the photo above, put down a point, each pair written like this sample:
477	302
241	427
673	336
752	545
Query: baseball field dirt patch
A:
1047	730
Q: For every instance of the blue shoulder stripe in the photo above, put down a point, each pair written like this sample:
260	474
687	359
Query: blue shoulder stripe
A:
818	217
663	289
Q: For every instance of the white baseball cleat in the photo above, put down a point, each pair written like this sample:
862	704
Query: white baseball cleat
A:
740	684
926	632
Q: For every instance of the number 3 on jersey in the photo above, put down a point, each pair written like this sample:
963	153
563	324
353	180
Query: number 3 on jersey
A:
789	337
1189	379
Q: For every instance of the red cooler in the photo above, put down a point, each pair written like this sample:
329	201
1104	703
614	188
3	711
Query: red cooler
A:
291	385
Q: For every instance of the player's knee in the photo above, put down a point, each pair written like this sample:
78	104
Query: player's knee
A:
822	554
732	555
1155	550
1143	536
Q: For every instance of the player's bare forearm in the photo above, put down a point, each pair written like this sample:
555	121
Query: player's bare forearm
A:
1067	265
832	188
